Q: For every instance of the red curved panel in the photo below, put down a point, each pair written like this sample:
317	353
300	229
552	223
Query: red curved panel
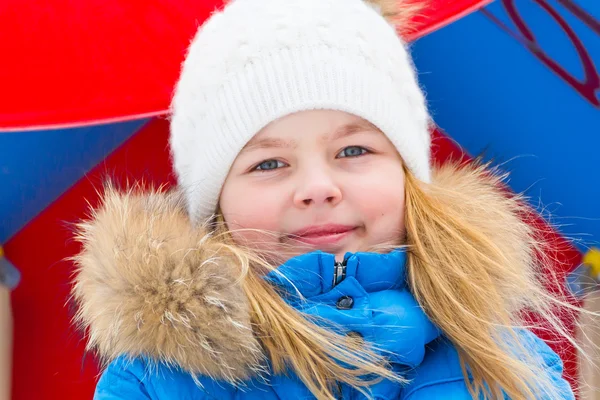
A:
61	66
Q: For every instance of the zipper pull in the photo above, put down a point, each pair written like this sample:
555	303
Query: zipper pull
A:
339	272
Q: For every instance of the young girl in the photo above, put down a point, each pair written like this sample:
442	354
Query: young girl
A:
311	251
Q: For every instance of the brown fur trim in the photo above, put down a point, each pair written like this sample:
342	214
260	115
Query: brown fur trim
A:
149	284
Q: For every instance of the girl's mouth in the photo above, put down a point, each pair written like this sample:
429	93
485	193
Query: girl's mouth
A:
322	234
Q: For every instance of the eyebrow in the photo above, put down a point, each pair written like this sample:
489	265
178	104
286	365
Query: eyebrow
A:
269	143
353	128
341	132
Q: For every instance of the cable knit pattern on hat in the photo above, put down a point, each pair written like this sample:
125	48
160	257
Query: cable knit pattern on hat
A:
259	60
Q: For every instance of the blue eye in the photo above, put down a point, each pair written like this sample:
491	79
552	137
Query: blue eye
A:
269	165
352	151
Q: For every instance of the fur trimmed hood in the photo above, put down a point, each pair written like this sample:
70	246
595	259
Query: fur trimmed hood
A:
150	284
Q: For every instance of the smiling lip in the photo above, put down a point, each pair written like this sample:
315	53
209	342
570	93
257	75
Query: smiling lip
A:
322	234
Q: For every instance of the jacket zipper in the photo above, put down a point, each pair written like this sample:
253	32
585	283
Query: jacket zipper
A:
339	271
339	274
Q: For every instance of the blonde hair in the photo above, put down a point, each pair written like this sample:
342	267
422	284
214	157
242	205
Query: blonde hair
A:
475	279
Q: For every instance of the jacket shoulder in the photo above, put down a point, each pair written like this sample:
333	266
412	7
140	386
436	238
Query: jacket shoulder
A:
137	379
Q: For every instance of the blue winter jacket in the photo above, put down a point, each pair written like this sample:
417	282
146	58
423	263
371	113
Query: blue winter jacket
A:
372	300
162	304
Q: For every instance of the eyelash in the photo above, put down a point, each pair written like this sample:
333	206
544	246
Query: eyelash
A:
257	169
364	151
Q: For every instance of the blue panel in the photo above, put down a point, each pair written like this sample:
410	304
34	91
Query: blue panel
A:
37	167
493	95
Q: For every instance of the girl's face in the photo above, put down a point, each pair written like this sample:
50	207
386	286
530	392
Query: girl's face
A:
315	180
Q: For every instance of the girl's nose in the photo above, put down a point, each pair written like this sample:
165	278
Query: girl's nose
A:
317	189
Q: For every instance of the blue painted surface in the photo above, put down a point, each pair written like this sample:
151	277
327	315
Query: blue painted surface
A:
492	95
37	167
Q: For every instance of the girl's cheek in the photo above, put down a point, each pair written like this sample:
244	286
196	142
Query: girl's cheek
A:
385	208
255	209
245	238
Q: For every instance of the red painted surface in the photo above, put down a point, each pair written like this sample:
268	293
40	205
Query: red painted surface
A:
49	353
440	13
61	66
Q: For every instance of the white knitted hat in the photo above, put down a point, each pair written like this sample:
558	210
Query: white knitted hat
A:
259	60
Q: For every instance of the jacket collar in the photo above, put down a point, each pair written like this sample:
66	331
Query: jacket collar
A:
312	274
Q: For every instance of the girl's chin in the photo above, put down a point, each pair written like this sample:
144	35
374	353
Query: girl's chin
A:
284	253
